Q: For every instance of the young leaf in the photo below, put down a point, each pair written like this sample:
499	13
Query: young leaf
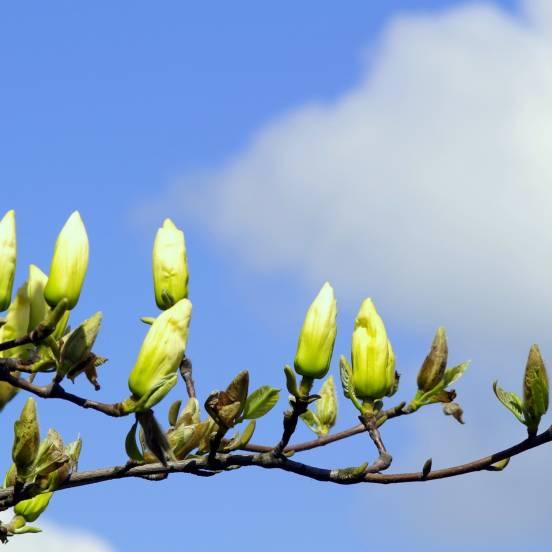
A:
312	421
454	374
260	402
510	400
131	447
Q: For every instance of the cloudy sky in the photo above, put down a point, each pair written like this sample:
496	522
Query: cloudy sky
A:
399	149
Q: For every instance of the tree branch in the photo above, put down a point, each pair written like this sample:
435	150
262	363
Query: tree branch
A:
202	467
186	373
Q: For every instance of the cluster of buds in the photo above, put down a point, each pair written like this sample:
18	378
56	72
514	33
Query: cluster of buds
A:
45	465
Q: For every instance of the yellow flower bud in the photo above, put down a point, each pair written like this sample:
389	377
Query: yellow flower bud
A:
7	258
170	267
69	263
373	360
35	290
317	338
32	508
17	323
162	349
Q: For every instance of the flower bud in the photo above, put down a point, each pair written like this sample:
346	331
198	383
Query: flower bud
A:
35	290
317	338
7	258
17	323
535	390
77	346
26	439
435	363
69	263
170	267
326	406
162	349
32	508
373	360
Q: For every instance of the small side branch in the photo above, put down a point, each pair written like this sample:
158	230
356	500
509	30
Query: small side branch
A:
186	373
56	391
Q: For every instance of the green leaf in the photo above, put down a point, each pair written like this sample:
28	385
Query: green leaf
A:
291	381
260	402
499	466
312	421
454	374
247	433
346	373
426	469
510	400
173	412
132	450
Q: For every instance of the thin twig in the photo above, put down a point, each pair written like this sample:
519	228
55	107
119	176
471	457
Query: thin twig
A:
56	391
186	373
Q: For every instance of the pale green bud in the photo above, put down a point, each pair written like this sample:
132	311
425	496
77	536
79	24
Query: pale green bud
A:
162	349
435	363
32	508
317	338
17	323
8	256
535	390
373	360
77	346
170	267
26	439
69	263
326	406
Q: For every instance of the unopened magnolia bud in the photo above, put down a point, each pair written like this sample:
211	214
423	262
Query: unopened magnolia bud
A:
535	390
162	349
317	338
170	266
69	263
435	363
77	346
17	322
32	508
373	360
35	290
326	406
26	439
7	258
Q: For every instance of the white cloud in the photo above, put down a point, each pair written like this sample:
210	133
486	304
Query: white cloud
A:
55	538
428	185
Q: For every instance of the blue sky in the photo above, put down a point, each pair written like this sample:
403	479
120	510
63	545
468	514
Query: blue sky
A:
293	142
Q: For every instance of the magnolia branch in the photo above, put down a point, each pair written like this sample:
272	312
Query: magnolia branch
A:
347	476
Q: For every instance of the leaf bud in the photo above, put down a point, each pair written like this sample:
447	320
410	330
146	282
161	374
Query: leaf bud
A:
326	406
77	346
32	508
26	439
535	390
435	363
